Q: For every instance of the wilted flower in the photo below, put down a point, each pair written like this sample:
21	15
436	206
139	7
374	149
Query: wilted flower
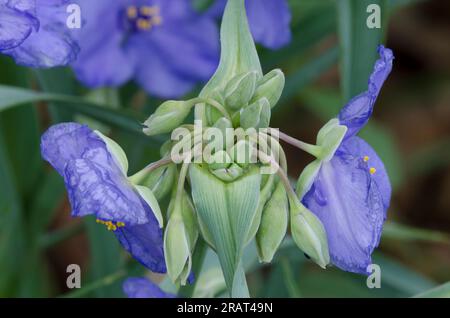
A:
269	20
35	34
162	44
140	287
94	170
351	191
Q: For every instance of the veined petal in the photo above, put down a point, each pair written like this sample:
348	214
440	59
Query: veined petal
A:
103	59
269	22
356	113
144	242
348	202
96	185
67	141
361	149
15	27
45	48
140	287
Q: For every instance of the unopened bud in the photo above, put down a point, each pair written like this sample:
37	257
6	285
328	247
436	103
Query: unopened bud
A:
167	117
179	240
309	234
273	225
257	115
271	87
240	89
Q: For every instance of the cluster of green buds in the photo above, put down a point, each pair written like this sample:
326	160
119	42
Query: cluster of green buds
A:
226	198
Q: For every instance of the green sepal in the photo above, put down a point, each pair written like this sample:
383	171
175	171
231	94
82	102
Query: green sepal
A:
307	177
151	200
117	152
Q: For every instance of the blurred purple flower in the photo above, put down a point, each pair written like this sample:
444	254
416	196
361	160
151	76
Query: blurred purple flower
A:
163	44
269	20
140	287
351	192
34	33
96	184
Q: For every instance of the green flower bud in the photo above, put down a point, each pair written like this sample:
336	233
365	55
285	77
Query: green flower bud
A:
179	239
309	234
271	87
161	180
167	117
273	225
257	115
268	182
240	89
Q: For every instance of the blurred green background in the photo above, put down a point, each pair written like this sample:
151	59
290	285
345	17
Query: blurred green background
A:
328	60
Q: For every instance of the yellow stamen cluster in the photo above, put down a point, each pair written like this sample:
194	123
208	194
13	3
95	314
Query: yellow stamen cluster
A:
111	226
366	158
144	17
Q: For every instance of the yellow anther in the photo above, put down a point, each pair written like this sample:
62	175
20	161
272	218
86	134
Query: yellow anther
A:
366	158
111	226
132	12
372	170
143	24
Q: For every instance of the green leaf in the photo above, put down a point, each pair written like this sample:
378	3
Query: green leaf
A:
442	291
227	210
308	73
358	44
13	97
397	231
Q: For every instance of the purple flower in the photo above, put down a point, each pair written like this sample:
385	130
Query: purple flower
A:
162	44
35	34
137	287
351	192
97	184
269	20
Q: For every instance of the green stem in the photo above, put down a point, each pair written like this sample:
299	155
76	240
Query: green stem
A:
311	149
50	239
140	175
240	287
